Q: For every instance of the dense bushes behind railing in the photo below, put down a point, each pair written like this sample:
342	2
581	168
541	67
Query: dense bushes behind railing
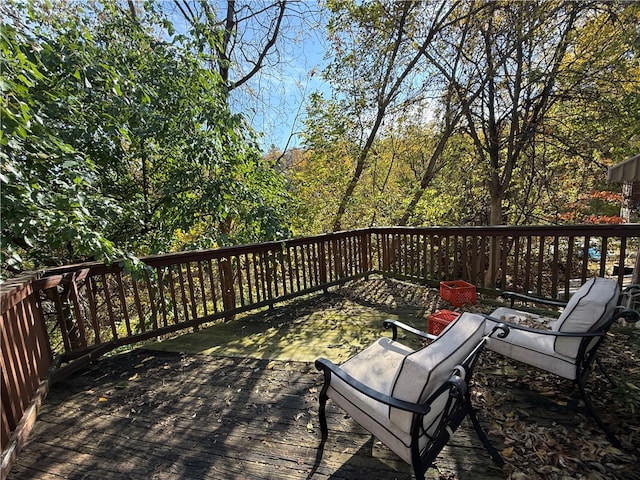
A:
86	310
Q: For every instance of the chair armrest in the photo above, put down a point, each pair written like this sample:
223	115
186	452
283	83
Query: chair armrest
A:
629	315
394	325
555	333
500	327
329	368
513	296
633	289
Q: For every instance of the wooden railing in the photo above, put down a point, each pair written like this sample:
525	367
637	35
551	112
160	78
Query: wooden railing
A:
550	261
76	313
25	360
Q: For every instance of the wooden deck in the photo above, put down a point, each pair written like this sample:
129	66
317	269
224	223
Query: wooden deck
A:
154	414
159	415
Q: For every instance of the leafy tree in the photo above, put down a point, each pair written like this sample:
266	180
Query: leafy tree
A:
52	208
519	52
249	43
158	148
379	68
324	167
534	60
233	29
516	78
601	107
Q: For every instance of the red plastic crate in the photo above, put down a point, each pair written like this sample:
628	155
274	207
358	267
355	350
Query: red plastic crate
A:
437	322
458	292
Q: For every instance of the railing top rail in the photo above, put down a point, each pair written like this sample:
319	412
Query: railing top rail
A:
15	289
165	259
622	229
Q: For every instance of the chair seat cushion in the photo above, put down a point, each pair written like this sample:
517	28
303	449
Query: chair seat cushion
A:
526	319
376	367
588	310
529	347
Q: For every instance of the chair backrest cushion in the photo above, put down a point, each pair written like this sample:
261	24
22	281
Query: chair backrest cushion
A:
424	371
588	310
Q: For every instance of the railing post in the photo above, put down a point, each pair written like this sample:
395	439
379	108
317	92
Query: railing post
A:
365	253
226	285
386	262
393	253
635	279
494	262
323	264
337	257
270	274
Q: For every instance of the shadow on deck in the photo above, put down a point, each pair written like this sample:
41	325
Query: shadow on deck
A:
191	410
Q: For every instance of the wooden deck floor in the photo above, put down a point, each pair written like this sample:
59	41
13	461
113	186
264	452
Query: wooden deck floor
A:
153	414
160	415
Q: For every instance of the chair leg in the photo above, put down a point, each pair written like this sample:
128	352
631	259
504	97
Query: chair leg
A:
592	411
322	416
318	460
606	374
418	473
497	458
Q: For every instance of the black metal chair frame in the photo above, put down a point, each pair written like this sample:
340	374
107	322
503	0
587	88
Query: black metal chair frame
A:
586	356
457	385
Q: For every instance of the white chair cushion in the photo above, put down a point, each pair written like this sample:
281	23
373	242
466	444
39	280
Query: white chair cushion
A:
591	306
530	348
587	309
427	369
521	318
375	367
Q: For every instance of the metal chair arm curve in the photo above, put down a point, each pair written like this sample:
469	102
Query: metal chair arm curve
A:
394	325
456	381
501	328
631	316
512	296
631	288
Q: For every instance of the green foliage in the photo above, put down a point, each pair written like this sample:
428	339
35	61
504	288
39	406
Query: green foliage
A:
51	208
457	193
538	99
117	140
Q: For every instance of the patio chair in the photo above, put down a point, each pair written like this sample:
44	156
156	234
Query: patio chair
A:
630	297
566	346
411	400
